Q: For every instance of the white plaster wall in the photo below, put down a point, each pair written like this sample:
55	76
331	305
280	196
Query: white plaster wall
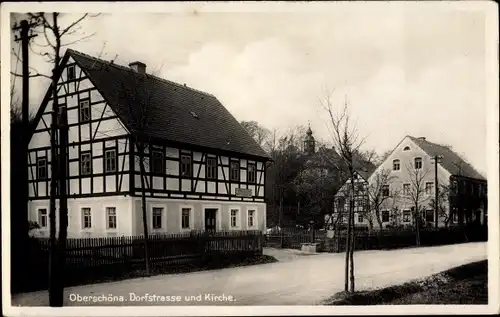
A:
99	218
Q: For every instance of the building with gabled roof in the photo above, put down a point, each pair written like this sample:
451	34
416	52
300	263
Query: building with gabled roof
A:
412	171
410	176
203	170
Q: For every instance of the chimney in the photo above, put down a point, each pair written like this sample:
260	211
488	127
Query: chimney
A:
138	67
422	138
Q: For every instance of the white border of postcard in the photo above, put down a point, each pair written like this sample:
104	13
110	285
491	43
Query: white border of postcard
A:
491	12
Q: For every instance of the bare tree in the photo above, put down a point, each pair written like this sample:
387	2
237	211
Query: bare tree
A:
259	133
55	35
347	144
416	193
443	204
137	93
379	193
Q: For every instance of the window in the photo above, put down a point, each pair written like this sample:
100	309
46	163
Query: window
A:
418	163
42	217
84	110
396	165
385	216
472	188
186	169
454	187
85	163
234	218
455	216
407	148
71	72
480	190
251	173
111	215
429	215
86	218
251	218
360	188
340	218
157	162
406	216
385	191
157	215
360	218
235	171
429	188
406	189
41	168
340	204
185	213
211	168
110	160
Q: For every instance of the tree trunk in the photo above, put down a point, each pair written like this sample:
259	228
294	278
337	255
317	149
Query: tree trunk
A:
281	219
347	251
351	249
144	210
417	228
370	224
377	215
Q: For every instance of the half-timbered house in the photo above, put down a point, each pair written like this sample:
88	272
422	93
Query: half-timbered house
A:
203	171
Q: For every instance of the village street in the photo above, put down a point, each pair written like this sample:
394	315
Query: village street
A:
295	280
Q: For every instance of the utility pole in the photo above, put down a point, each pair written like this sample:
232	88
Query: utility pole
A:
56	287
24	37
63	198
437	159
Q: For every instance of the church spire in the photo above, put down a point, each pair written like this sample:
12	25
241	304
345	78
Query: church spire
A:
309	142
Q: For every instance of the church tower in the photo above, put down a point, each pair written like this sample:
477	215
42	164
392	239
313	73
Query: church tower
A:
309	142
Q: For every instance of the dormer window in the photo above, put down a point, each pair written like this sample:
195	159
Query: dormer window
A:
194	114
407	148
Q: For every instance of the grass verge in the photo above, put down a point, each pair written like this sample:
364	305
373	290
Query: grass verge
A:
466	284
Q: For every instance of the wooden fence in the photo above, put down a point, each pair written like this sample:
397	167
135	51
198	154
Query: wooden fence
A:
404	238
91	259
293	238
375	240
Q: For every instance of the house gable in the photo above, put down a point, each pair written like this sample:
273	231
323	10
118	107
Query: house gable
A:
96	132
406	151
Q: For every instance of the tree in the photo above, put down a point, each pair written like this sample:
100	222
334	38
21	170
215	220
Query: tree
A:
137	93
383	157
259	133
347	144
379	193
316	185
443	204
49	25
416	194
287	162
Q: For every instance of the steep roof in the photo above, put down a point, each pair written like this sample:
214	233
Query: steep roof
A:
450	160
175	112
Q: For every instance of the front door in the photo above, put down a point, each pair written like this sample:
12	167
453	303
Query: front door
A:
210	220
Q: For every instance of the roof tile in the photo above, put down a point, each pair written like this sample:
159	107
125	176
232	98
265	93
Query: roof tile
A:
169	107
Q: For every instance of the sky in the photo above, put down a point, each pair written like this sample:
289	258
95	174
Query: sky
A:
419	71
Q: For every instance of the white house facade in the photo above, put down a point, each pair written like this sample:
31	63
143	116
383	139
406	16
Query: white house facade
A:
202	170
409	180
